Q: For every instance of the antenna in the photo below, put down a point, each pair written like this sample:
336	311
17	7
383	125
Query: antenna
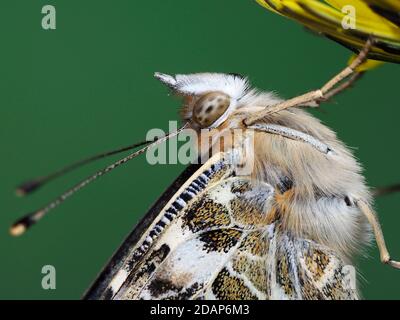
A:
21	225
30	186
382	191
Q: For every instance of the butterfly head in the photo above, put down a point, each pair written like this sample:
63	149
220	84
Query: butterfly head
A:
210	98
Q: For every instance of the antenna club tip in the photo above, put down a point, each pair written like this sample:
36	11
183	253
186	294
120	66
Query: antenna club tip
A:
27	187
23	224
20	192
17	229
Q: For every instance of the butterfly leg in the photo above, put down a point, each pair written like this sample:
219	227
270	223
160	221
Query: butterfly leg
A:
329	89
348	83
343	86
380	241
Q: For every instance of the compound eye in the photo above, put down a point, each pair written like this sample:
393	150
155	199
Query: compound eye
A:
209	108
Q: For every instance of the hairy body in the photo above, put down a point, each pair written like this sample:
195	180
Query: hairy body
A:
314	190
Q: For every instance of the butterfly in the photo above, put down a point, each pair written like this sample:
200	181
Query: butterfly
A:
281	219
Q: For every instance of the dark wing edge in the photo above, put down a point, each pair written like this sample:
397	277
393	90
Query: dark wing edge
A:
98	287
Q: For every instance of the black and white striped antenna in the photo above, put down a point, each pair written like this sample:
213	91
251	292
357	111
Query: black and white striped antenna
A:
21	225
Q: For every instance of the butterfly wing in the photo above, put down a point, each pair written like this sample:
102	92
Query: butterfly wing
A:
190	258
141	242
218	237
99	288
303	269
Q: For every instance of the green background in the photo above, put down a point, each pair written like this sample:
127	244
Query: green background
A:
88	86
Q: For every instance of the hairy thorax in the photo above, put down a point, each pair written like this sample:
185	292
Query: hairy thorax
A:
314	190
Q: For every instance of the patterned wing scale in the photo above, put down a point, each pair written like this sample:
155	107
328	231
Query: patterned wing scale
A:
218	238
303	269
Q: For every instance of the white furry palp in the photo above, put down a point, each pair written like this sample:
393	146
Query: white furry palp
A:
199	83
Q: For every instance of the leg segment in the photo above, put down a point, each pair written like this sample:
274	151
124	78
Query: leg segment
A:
317	95
380	240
